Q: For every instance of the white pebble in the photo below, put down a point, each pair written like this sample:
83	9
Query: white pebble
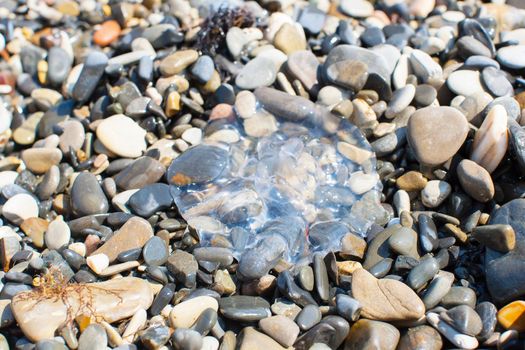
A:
97	262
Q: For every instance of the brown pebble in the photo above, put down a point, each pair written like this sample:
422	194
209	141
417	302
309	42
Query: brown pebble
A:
107	33
411	181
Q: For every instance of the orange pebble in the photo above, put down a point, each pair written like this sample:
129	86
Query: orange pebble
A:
107	33
221	111
512	316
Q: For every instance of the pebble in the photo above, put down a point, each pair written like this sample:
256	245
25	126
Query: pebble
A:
114	300
155	251
122	136
140	173
435	193
303	65
107	33
475	180
177	62
456	338
250	339
422	273
184	267
491	140
512	56
133	234
186	339
88	78
244	308
203	69
20	207
87	197
420	337
459	296
368	334
496	82
290	38
431	147
487	311
464	319
401	99
308	317
501	238
512	316
57	234
39	160
411	181
400	303
260	71
59	65
464	82
347	307
92	338
150	199
281	329
357	8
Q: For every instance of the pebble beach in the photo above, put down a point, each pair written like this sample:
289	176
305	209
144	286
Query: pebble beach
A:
262	175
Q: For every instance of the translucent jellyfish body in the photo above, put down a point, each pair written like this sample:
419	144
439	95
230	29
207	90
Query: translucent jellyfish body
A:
284	182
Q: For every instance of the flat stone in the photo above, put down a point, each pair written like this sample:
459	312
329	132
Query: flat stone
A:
459	296
369	334
133	234
155	252
401	99
424	67
385	299
496	82
357	8
73	136
456	338
177	62
420	337
150	199
122	136
281	329
113	300
20	207
260	71
512	56
250	339
87	197
464	82
309	316
290	38
432	147
34	228
186	170
184	314
140	173
39	160
487	311
244	308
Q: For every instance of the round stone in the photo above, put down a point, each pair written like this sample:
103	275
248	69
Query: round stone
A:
122	136
464	82
496	82
436	134
155	251
357	8
260	71
107	33
475	180
39	160
512	56
57	234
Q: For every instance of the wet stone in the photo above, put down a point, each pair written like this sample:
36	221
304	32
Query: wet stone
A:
93	337
150	199
186	339
155	337
185	170
459	296
260	71
155	251
422	273
464	319
487	311
348	307
244	308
